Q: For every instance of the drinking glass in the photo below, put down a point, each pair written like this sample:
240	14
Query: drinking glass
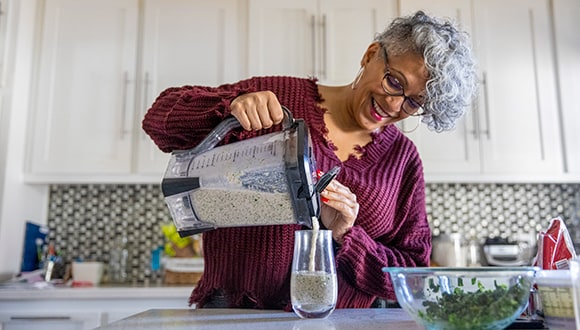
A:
313	284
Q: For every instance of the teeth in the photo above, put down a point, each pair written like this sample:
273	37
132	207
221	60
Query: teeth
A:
379	110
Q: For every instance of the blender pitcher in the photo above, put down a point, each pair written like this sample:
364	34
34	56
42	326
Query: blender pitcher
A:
265	180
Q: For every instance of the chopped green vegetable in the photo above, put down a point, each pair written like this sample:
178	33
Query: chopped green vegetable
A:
474	310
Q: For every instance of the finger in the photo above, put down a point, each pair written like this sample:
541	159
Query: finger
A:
347	215
238	110
339	197
252	113
338	189
275	110
263	114
243	119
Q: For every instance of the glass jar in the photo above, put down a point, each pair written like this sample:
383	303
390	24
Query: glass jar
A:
119	261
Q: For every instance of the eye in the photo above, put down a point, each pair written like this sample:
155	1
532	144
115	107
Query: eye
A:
413	103
394	83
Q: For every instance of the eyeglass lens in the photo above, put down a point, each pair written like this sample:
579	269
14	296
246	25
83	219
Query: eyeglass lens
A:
393	87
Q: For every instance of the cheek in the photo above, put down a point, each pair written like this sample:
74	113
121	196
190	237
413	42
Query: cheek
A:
362	111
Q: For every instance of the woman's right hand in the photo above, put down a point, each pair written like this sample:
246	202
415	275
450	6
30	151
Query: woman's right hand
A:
257	110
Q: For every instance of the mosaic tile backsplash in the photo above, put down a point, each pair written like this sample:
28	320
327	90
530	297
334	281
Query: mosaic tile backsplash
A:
86	220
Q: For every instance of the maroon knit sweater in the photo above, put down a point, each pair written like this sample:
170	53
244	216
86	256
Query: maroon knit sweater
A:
252	264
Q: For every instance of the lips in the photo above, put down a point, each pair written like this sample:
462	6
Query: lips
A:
377	112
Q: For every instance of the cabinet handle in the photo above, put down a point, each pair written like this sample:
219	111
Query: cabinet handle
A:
475	119
39	318
146	84
323	53
314	59
536	78
124	104
486	131
476	131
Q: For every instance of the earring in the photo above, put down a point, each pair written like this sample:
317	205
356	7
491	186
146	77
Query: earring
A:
358	77
416	126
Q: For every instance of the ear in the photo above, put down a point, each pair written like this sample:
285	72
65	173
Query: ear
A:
370	54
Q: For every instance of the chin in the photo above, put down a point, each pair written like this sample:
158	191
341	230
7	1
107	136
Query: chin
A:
371	125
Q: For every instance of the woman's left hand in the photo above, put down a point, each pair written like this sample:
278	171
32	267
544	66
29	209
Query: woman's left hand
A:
339	209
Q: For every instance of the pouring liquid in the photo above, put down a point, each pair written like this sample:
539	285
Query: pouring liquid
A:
315	229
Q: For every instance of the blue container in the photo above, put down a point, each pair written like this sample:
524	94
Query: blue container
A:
35	237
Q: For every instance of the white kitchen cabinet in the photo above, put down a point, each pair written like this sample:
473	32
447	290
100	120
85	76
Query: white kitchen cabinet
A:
4	7
83	114
324	39
83	308
101	65
185	42
512	131
567	40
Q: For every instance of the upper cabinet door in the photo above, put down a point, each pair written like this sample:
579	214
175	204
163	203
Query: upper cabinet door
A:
511	131
184	43
347	28
567	26
84	105
520	122
282	37
456	151
325	39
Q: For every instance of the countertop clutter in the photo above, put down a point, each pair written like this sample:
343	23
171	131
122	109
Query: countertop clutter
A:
340	319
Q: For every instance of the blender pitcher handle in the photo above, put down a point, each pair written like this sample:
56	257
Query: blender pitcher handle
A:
223	128
288	117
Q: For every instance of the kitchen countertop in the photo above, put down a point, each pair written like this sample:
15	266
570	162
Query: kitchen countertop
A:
243	319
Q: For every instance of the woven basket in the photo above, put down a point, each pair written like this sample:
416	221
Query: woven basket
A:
183	270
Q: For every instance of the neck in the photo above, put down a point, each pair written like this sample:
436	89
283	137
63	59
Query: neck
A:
339	106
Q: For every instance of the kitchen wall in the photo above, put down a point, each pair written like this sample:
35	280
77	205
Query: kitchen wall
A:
84	220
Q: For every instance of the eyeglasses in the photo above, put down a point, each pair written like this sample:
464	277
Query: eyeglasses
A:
393	87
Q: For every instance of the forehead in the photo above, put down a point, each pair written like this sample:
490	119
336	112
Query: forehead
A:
411	69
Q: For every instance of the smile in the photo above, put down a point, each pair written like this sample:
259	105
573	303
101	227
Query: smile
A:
378	112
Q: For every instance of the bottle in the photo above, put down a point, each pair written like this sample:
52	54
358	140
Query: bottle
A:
473	253
119	257
156	264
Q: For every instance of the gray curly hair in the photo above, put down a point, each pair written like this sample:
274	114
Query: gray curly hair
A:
452	82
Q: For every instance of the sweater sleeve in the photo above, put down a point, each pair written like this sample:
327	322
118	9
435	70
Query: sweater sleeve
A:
408	244
181	117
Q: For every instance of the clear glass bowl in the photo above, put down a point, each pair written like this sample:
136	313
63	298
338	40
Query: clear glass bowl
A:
463	298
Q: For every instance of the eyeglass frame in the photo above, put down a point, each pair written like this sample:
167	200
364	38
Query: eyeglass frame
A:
406	98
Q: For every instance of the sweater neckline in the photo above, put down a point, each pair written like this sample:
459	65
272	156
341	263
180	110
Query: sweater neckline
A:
369	154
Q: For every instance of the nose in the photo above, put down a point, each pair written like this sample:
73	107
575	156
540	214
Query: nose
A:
395	103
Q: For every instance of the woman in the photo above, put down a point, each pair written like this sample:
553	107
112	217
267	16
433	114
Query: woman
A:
419	67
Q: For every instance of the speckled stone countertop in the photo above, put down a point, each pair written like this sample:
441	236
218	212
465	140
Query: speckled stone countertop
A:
244	319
